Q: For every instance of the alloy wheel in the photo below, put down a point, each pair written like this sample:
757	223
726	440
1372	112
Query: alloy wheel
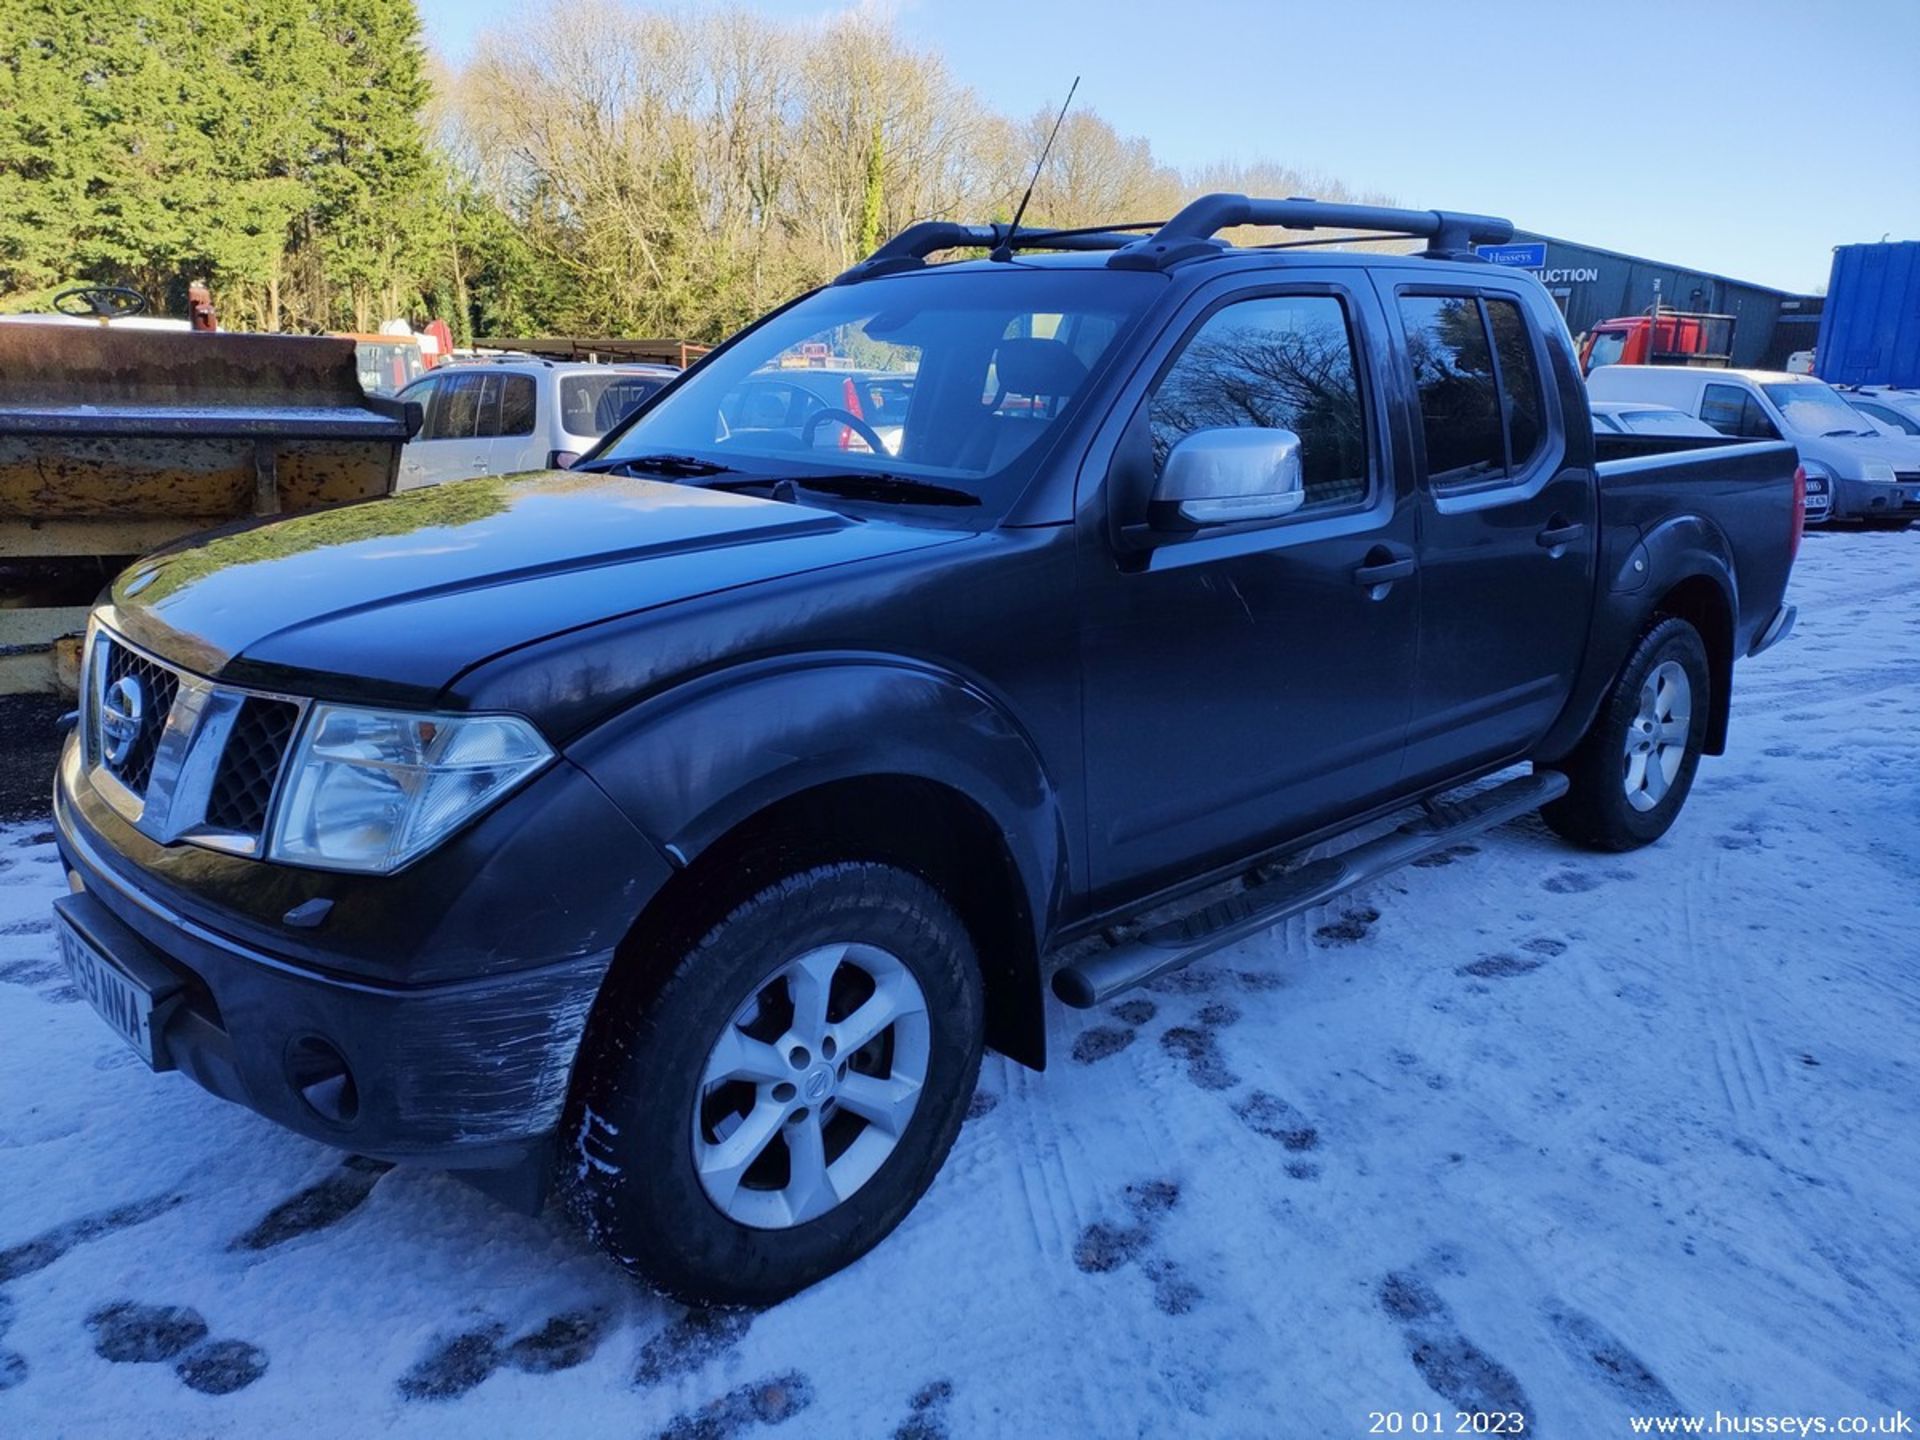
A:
810	1086
1656	744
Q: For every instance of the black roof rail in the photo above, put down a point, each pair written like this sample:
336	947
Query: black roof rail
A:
1449	234
909	249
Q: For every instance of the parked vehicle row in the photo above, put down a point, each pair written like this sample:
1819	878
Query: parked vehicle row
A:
680	827
1853	472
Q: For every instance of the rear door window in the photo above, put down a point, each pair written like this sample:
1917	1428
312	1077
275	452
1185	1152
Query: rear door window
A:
1459	399
1477	374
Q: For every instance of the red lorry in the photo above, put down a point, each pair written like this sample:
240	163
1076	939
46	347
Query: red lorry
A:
1660	337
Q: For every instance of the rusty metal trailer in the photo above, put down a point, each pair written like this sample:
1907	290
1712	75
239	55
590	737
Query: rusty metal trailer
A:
605	349
116	441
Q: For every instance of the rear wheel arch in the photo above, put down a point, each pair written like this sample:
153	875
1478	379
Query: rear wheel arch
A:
1703	602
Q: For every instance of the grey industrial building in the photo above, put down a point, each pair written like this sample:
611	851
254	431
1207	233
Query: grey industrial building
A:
1592	285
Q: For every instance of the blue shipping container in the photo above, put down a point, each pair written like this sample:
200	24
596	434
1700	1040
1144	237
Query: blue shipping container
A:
1870	328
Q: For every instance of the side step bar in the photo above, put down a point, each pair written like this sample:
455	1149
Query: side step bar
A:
1099	977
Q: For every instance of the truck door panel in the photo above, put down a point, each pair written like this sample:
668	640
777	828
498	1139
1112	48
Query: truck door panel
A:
1243	685
1508	523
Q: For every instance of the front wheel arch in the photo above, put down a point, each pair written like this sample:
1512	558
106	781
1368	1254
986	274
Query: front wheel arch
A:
923	827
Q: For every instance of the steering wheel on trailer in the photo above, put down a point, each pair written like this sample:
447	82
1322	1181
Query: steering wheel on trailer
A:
847	418
101	302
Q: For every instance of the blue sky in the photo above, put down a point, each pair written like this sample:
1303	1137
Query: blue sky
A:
1744	138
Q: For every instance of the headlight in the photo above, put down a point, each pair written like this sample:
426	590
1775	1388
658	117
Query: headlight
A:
1878	471
372	789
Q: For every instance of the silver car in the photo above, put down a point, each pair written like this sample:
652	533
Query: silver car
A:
500	417
1630	417
1896	412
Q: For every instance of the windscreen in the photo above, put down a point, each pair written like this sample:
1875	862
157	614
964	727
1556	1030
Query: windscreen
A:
1810	408
1608	346
1889	417
386	366
953	378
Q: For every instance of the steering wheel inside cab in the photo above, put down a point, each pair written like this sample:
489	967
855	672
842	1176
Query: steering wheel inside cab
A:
847	418
101	302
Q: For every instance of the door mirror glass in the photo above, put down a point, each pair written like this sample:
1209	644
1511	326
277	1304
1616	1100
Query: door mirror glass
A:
1228	477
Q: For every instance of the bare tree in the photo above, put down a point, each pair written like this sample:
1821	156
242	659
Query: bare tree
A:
681	172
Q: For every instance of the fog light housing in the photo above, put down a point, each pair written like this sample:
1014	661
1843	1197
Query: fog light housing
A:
322	1079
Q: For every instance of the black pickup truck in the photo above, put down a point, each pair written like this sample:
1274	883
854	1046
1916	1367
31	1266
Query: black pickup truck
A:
676	830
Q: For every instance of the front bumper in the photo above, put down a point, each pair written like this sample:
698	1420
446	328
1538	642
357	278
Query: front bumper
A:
1875	500
468	1072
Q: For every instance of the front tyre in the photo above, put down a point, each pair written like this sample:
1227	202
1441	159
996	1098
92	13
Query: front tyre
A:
782	1101
1631	773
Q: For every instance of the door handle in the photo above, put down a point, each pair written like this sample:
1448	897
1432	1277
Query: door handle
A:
1381	568
1384	572
1559	534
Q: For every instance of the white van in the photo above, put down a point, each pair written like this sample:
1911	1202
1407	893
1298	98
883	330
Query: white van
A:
513	414
1862	475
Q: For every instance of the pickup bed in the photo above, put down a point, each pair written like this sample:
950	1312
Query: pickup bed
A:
679	828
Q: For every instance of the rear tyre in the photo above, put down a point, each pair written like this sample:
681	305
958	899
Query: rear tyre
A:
786	1096
1631	773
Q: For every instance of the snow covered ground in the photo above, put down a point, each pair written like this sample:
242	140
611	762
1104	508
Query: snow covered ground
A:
1525	1129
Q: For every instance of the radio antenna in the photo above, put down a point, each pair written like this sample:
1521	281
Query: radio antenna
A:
1004	250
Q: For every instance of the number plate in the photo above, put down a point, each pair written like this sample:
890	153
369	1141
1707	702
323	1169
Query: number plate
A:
123	1003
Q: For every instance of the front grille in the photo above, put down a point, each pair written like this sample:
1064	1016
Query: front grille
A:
203	763
158	688
249	766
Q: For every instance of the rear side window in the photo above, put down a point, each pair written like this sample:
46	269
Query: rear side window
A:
516	404
1475	369
594	404
1282	362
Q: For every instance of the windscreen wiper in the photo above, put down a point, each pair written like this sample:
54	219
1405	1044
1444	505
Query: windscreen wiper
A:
890	489
1831	434
673	467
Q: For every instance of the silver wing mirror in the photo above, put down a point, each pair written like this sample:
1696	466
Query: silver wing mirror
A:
1228	477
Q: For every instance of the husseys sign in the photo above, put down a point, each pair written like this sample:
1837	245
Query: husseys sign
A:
1533	256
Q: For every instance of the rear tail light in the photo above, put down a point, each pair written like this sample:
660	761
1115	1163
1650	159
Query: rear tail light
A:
1799	511
561	459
